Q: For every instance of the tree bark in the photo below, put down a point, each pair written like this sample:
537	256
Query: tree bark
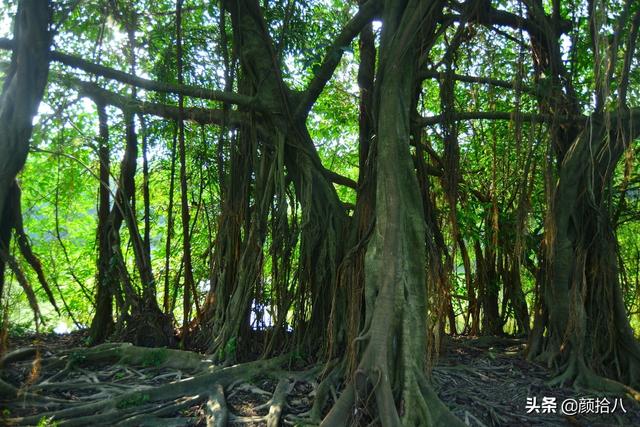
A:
588	332
391	367
285	135
473	307
22	92
102	323
167	305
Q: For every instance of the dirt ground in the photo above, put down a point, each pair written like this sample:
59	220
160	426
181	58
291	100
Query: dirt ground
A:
485	382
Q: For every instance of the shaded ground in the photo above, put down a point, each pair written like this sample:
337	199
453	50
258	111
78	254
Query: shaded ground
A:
484	381
487	382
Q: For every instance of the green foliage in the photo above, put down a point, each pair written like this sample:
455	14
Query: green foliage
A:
59	180
47	422
20	329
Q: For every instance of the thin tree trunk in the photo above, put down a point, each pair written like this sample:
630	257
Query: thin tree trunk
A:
473	308
145	194
168	306
189	284
102	323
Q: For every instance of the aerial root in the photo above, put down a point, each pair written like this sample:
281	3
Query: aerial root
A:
439	413
568	373
160	410
132	392
342	409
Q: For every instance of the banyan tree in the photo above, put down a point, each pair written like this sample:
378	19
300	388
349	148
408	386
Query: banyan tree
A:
319	192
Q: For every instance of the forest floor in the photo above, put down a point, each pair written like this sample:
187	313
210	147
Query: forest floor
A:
484	381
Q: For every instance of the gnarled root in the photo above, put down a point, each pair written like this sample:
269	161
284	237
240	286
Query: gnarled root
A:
135	386
120	384
217	413
577	372
370	398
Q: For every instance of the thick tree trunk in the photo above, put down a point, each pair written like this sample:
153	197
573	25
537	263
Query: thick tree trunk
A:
228	245
229	341
148	325
348	310
141	320
389	382
323	216
588	333
22	92
488	289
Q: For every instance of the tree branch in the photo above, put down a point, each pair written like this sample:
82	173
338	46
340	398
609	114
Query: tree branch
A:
201	116
139	82
198	115
333	56
336	178
429	74
488	15
494	115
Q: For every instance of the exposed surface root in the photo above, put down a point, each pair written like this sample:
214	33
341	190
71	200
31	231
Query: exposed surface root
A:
217	413
581	377
277	402
120	384
114	384
488	383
